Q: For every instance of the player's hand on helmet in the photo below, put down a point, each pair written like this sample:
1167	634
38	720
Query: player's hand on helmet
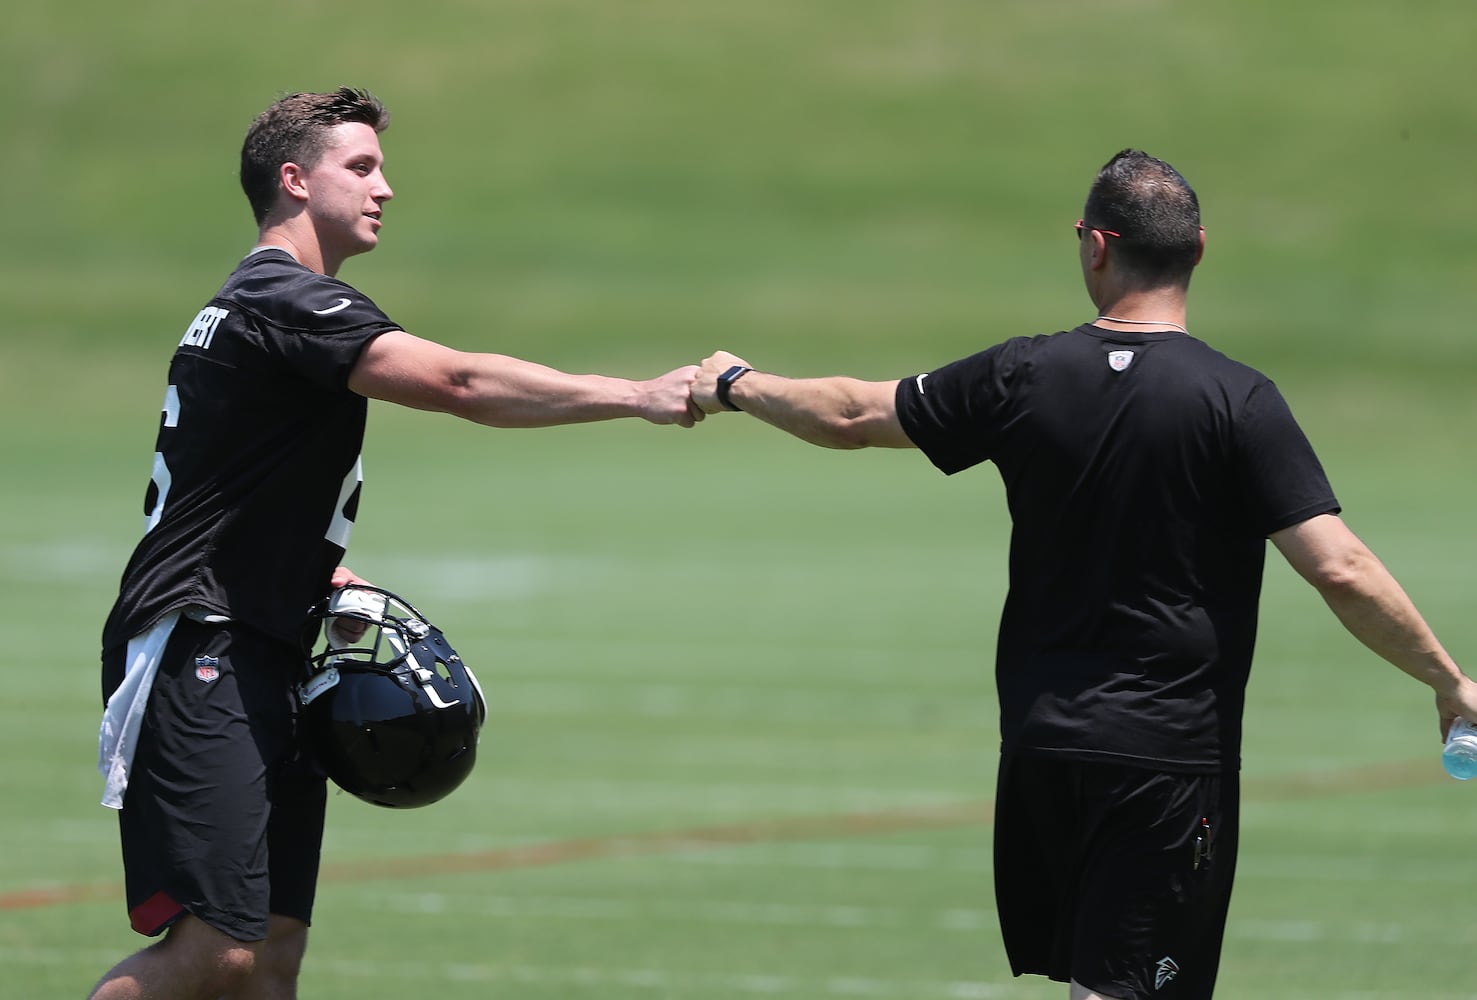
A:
346	631
705	389
668	399
344	577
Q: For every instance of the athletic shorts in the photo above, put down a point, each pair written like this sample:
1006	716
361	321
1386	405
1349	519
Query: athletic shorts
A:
223	818
1116	877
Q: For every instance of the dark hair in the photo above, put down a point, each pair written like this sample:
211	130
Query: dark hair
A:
295	130
1154	210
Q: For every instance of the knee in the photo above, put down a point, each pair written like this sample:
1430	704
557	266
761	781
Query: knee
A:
216	962
193	960
233	964
202	954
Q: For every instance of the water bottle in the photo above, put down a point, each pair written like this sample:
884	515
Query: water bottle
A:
1460	756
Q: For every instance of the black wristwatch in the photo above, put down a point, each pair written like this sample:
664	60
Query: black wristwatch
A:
726	380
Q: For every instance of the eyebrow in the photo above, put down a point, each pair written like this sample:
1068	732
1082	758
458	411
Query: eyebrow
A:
364	156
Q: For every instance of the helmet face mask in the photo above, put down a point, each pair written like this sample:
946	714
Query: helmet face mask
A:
389	709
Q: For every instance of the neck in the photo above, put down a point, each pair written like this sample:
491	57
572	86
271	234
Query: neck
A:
1145	311
306	252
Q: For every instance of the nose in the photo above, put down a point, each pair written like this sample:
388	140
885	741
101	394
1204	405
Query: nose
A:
383	192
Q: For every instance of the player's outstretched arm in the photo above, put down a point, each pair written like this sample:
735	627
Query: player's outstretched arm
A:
836	412
502	391
1375	609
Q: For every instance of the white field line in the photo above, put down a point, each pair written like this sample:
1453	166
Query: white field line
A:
839	855
429	579
59	561
594	908
747	983
775	704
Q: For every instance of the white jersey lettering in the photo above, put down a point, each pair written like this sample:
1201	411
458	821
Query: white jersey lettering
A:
202	330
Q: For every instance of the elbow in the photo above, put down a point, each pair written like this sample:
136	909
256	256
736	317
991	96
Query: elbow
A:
457	396
860	423
449	391
1346	575
844	432
459	393
847	435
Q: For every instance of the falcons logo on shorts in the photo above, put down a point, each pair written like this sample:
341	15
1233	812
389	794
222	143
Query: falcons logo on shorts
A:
1165	972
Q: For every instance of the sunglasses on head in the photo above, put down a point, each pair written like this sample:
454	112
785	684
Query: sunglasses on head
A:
1081	227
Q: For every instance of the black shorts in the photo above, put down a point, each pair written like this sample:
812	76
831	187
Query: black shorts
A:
1116	877
223	818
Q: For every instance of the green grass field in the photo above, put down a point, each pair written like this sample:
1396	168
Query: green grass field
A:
743	737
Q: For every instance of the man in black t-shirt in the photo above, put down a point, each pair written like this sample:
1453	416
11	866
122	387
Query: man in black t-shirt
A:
255	486
1144	473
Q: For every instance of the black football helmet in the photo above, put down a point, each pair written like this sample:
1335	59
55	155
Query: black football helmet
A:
388	707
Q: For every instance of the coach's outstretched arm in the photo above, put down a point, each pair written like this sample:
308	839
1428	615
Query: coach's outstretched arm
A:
502	391
1375	609
835	412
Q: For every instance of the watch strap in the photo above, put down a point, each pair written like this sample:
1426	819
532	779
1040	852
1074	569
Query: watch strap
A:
726	381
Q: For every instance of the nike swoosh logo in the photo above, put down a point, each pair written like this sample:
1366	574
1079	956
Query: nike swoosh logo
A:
919	381
338	306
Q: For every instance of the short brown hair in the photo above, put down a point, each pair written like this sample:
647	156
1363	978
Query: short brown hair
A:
294	130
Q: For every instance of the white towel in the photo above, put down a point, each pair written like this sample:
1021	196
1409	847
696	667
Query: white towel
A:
117	738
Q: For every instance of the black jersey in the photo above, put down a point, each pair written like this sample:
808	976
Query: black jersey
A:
1143	473
256	470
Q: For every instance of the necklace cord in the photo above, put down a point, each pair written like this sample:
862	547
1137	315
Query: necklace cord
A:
1144	322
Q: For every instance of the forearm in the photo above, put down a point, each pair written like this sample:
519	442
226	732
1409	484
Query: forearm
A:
1376	610
501	391
1367	599
505	392
836	412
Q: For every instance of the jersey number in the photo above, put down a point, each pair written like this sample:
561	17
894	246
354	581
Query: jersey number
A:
160	481
348	504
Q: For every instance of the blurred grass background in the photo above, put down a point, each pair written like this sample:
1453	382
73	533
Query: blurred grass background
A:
723	628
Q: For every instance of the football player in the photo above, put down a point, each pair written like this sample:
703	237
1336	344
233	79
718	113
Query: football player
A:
256	481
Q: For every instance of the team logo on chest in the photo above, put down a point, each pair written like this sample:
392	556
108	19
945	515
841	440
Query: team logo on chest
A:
1119	360
207	668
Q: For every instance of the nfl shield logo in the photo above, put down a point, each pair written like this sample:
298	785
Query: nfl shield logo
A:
206	668
1119	360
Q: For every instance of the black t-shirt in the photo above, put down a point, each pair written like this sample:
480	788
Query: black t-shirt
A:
256	470
1143	473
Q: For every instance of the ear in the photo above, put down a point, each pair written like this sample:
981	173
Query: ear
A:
1098	251
1201	252
294	181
